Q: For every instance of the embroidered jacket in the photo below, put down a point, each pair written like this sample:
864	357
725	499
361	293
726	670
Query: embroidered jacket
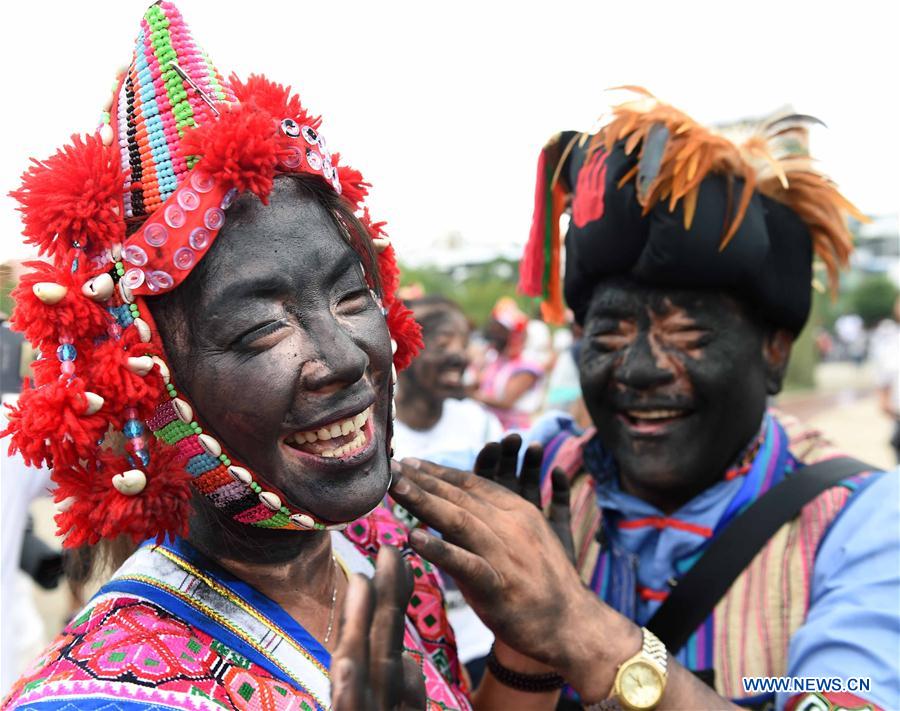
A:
173	630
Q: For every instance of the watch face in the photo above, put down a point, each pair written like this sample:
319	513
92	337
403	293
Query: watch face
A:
641	685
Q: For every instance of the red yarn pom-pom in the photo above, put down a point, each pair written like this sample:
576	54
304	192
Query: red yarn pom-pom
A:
353	188
111	378
50	426
274	99
74	196
75	316
92	508
240	150
406	331
390	274
75	499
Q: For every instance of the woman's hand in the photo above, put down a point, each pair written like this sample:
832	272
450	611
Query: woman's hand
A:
369	671
507	561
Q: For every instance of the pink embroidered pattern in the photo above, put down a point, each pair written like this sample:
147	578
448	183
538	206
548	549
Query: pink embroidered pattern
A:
443	680
128	648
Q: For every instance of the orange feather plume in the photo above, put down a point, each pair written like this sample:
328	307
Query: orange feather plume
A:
770	155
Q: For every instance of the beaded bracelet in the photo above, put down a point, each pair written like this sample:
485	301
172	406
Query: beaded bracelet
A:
532	683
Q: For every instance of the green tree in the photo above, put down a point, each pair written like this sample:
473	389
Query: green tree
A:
873	299
475	287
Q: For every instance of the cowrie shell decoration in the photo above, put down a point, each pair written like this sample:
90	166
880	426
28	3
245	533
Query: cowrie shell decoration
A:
131	482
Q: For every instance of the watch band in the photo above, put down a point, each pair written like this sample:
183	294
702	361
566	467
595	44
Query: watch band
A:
655	649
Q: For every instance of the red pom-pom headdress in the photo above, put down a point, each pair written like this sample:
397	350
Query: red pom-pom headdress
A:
177	144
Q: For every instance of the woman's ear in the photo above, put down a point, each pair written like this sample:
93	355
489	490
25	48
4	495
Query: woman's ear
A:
776	354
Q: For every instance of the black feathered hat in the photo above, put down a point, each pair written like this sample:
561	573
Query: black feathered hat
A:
657	197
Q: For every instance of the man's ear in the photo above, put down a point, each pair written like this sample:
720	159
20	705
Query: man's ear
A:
776	353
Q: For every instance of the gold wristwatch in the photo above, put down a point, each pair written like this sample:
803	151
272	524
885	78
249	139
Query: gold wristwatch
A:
641	679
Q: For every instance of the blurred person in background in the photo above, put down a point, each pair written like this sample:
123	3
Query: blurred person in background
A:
436	421
851	332
509	383
884	352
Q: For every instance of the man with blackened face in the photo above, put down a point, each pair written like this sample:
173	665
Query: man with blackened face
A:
676	381
688	263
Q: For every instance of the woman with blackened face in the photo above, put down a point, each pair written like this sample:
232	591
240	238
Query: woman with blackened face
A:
279	343
220	325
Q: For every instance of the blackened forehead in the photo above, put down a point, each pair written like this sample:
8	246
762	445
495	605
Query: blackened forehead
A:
435	320
625	298
281	247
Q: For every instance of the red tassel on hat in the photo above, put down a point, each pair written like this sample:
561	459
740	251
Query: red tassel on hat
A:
531	270
539	272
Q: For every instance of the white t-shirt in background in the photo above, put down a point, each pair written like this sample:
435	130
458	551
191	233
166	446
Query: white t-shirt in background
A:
455	440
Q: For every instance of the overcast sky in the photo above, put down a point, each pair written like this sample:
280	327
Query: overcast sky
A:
444	107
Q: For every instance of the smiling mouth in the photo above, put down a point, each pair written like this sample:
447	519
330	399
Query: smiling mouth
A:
450	377
651	422
341	439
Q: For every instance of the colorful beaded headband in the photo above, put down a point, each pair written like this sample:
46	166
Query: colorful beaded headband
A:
184	144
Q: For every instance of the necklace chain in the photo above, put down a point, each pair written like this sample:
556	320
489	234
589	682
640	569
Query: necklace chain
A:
333	600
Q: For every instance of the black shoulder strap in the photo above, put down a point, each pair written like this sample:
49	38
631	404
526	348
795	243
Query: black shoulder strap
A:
698	592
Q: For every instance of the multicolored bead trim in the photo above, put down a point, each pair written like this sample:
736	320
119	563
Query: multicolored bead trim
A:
154	108
231	488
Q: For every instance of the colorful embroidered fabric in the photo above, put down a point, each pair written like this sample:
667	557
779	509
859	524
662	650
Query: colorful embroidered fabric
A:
737	639
173	629
426	606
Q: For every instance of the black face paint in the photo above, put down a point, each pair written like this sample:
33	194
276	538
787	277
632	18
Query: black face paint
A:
284	336
675	382
438	370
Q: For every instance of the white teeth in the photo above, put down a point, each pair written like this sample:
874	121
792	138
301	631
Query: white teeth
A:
654	414
351	446
337	429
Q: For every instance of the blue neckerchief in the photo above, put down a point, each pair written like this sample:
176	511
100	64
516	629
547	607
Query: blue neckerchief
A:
723	501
